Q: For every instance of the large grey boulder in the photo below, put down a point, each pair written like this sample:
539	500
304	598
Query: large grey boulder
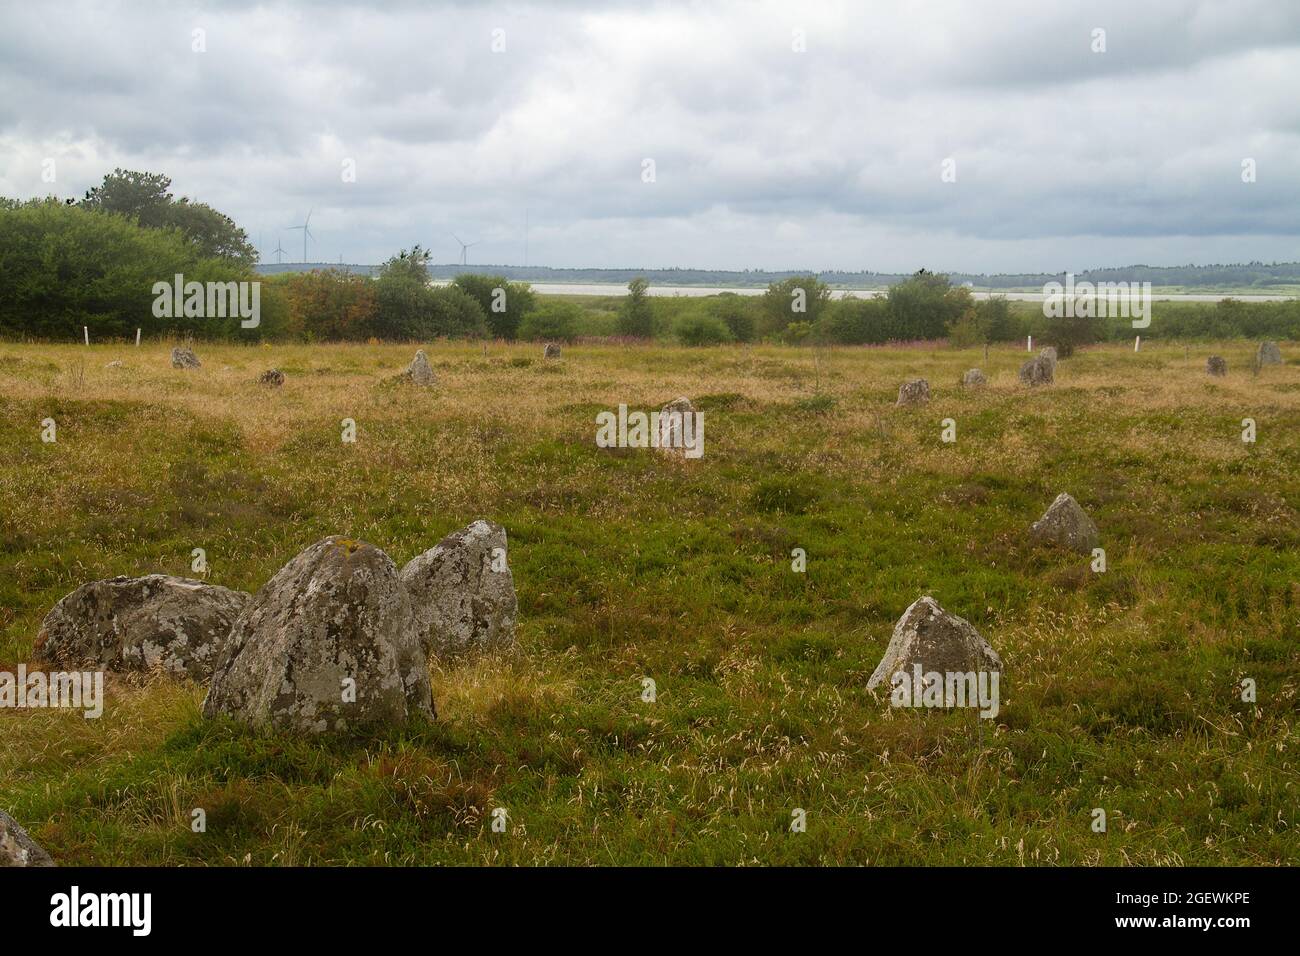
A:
552	351
1216	365
462	592
328	644
183	357
915	392
1049	353
17	848
1268	354
973	378
141	624
420	371
1065	525
928	635
1039	370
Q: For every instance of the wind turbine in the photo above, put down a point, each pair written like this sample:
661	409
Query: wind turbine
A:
306	232
279	251
464	247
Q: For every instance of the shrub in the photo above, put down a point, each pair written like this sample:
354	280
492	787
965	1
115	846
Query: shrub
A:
636	318
505	304
701	329
551	321
737	313
797	299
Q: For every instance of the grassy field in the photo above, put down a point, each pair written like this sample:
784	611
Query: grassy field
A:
1121	690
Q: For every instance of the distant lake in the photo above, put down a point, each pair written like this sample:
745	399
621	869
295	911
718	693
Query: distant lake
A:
694	291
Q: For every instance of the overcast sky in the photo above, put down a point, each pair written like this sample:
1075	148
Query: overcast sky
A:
764	156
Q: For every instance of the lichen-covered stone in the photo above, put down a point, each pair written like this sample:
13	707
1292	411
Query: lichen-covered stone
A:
1039	370
17	848
328	644
1049	353
1065	525
183	357
141	624
271	378
1216	365
420	372
680	429
915	392
462	592
928	635
973	378
1269	354
552	351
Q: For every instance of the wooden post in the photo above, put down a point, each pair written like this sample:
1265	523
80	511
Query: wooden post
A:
137	338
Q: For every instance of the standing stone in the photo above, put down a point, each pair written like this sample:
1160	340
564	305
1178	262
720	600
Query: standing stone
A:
1269	354
680	429
974	378
271	378
420	371
1039	370
116	363
328	644
17	848
1049	353
183	357
552	351
462	592
1216	365
1065	525
928	635
915	392
141	624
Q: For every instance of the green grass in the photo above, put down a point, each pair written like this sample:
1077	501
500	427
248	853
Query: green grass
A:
1121	689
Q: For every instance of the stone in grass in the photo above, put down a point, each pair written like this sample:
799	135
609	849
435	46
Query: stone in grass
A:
17	848
1216	365
141	624
420	372
915	392
1065	525
271	378
183	357
1268	354
928	636
974	378
681	429
462	592
327	645
1039	370
1049	353
552	351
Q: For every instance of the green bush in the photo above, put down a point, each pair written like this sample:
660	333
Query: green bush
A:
63	267
551	321
504	303
701	328
737	312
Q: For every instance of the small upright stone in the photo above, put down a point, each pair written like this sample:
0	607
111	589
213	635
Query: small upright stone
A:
552	351
1039	370
1049	353
271	378
681	429
1216	365
1065	525
1269	354
462	592
915	392
17	848
420	371
938	642
974	378
183	357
